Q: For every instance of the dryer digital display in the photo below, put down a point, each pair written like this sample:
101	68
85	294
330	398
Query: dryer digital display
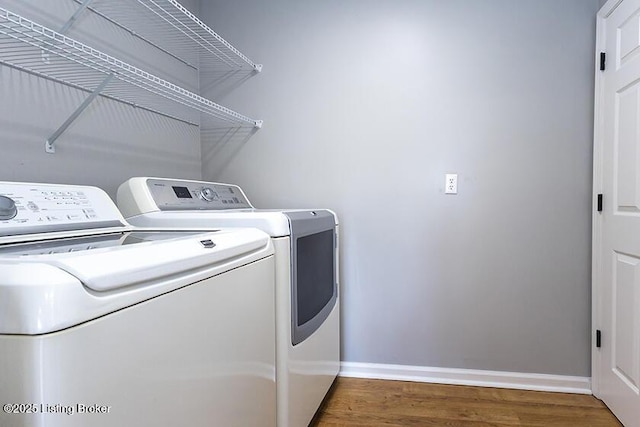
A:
182	192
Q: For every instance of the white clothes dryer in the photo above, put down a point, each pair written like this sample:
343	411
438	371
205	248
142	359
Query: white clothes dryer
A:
307	290
105	325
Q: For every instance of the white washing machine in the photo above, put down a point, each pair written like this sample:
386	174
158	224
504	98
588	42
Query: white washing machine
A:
105	325
307	291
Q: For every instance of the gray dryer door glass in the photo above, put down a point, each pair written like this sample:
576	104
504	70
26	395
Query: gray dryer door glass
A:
315	274
314	289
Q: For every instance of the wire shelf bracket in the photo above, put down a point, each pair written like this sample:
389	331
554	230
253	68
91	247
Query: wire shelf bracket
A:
48	145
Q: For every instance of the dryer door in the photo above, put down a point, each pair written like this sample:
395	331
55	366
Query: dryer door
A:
314	288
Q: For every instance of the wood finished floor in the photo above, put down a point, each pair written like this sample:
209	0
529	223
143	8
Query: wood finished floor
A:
361	402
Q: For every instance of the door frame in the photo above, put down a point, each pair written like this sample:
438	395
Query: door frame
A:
598	187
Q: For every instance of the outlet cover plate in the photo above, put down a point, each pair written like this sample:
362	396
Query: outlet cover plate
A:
451	183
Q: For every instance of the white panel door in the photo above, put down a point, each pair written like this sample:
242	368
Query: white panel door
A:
617	227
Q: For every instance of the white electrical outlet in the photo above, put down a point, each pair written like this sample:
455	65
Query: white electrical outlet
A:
451	183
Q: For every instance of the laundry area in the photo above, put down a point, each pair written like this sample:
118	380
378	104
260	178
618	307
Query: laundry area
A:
210	209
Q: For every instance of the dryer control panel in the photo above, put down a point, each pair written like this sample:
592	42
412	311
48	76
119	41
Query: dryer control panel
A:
181	195
27	208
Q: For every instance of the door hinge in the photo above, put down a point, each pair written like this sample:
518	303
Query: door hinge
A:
598	338
603	60
599	202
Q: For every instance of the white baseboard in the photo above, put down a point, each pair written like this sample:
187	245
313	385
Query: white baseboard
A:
470	377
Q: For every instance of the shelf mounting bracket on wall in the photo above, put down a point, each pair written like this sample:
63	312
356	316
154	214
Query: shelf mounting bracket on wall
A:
48	145
75	16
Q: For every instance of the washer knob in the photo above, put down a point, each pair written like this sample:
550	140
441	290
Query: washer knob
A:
208	195
8	208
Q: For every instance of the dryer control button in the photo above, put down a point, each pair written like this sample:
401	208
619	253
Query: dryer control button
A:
8	208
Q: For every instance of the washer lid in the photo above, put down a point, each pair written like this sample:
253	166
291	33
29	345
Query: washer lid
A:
138	264
109	262
42	293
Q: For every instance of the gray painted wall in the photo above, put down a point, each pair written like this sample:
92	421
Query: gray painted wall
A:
111	141
367	104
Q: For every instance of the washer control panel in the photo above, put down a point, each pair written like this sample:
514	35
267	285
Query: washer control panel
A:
182	195
34	208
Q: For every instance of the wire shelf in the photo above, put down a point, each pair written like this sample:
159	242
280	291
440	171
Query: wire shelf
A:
171	27
31	47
